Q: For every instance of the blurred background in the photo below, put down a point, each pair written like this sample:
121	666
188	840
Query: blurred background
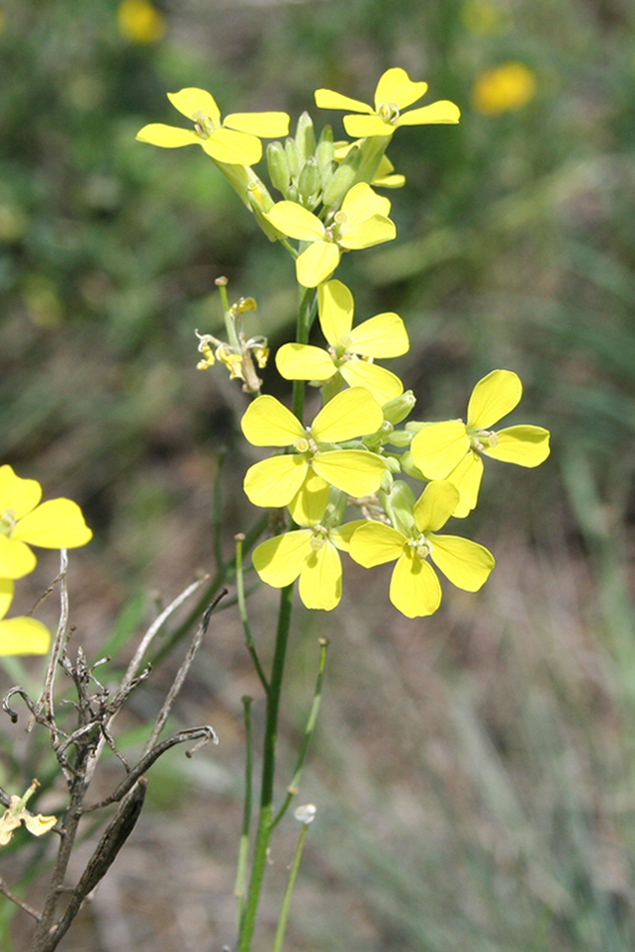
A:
474	771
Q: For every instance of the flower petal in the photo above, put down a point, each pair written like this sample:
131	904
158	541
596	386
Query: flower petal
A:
56	524
373	231
308	505
384	336
396	88
17	494
23	636
295	221
523	445
349	414
493	397
6	595
374	543
327	99
279	561
435	505
16	558
335	308
37	825
355	472
467	478
274	482
304	362
321	578
167	137
233	148
191	101
465	563
317	263
414	587
439	447
267	422
341	536
361	202
363	127
380	383
442	111
267	125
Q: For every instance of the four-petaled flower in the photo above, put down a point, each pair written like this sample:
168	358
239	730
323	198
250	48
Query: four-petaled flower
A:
234	140
56	524
22	635
274	482
381	336
414	586
310	553
451	450
394	91
362	221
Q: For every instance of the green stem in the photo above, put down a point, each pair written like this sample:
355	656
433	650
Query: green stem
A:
306	314
263	833
242	608
286	902
292	789
243	849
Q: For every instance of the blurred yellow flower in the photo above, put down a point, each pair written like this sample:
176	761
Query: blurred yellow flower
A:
504	88
140	22
20	635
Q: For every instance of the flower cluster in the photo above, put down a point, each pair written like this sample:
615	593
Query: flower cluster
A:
25	521
352	455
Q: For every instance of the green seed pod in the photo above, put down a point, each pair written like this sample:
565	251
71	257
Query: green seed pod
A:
305	137
343	179
293	157
309	180
278	166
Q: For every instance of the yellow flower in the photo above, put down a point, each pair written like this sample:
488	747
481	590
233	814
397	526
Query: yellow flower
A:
414	587
504	88
20	636
234	141
56	524
395	90
362	221
276	481
451	450
17	814
310	554
351	350
140	22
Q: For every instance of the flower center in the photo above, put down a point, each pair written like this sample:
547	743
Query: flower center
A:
483	439
7	522
318	538
203	125
388	111
420	547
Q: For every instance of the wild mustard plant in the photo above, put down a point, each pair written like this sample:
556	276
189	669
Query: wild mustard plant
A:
341	483
348	459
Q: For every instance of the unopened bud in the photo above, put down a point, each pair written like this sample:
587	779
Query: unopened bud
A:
409	467
392	464
344	178
325	151
278	166
386	481
293	157
309	180
398	408
400	438
305	137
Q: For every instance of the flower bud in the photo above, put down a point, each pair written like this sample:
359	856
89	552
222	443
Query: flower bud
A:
386	481
325	151
278	166
398	408
309	181
293	157
392	464
305	137
409	467
344	178
400	438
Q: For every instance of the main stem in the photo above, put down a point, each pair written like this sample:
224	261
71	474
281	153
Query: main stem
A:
265	818
268	772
